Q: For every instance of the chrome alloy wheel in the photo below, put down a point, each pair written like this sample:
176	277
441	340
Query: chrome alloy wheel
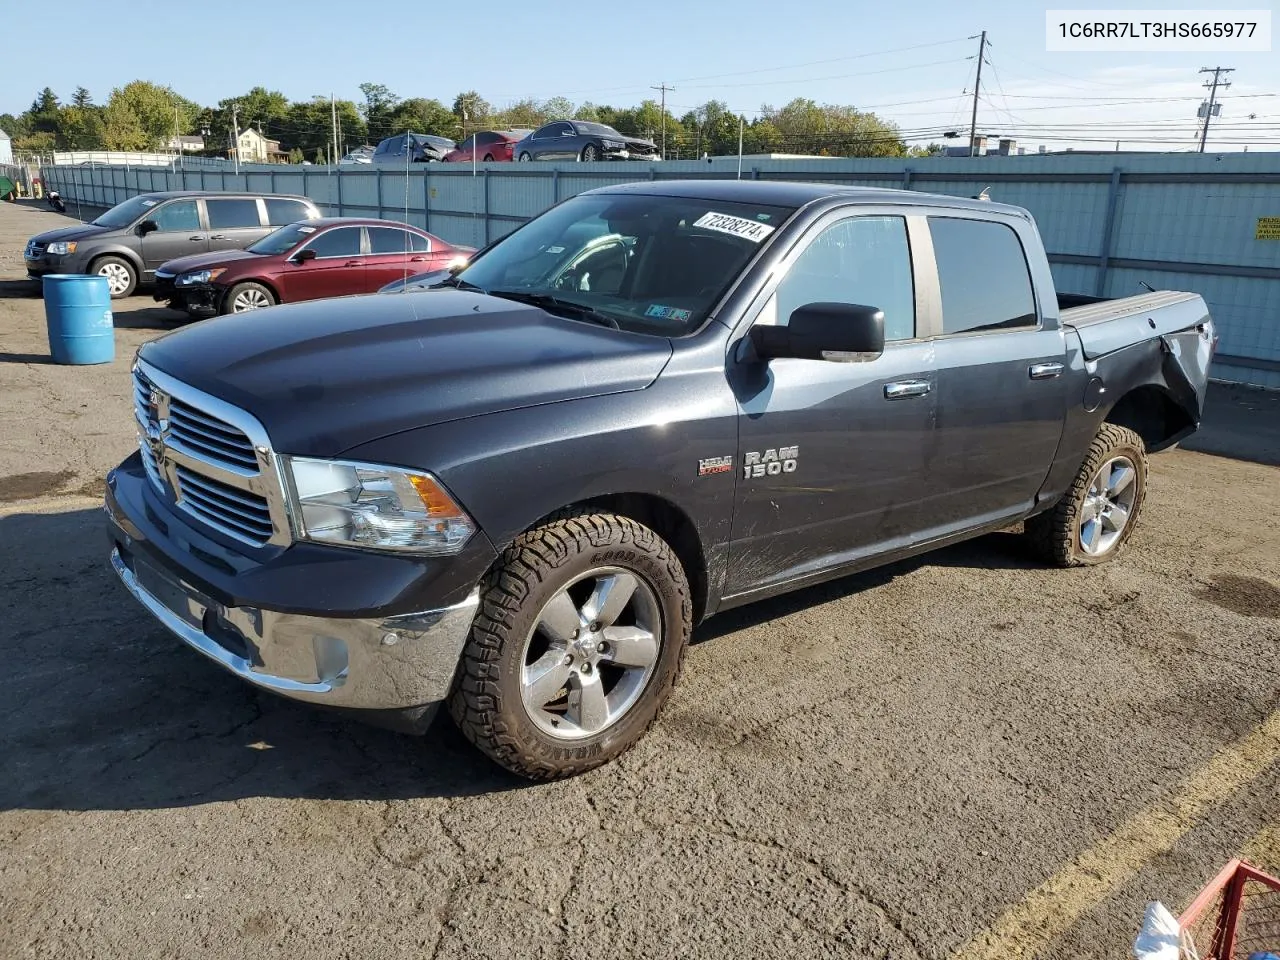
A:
1107	505
249	300
117	275
591	653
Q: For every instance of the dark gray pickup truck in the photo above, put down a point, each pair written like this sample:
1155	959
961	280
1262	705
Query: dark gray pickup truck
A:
517	490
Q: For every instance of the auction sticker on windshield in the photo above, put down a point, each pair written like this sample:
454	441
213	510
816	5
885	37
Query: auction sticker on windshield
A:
734	226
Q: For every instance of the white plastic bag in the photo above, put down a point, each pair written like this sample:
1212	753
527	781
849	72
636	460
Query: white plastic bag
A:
1160	938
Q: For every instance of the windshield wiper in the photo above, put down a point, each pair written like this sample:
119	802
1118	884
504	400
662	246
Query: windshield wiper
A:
552	304
456	281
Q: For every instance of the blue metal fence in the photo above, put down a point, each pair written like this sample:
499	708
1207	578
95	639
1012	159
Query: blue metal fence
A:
1198	222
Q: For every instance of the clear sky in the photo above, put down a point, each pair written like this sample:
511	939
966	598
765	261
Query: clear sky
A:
910	62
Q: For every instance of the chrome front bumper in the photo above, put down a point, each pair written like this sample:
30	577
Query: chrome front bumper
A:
392	664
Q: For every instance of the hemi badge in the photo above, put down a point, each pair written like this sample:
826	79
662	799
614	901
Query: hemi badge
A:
713	465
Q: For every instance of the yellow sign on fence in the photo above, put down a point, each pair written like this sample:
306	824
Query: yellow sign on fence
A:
1268	228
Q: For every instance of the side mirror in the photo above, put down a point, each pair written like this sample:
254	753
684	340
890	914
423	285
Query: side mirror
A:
302	256
147	226
843	332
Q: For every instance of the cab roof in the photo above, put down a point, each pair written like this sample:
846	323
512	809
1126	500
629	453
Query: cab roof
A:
789	193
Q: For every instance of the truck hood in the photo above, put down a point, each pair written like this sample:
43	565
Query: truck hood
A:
198	261
77	231
325	376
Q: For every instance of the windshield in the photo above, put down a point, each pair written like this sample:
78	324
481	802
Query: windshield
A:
123	214
598	129
286	238
651	264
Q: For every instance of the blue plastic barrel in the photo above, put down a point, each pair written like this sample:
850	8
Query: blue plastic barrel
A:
77	311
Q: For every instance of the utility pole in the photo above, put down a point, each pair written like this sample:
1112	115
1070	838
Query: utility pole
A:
1213	97
664	88
977	85
235	126
333	109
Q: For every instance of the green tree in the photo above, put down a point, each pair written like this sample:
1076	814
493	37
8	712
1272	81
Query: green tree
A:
147	115
588	111
82	98
527	113
379	109
14	126
296	155
42	115
320	158
309	124
557	108
804	126
39	144
421	115
81	128
259	106
475	108
122	130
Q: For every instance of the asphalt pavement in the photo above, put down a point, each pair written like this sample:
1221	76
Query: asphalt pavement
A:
966	755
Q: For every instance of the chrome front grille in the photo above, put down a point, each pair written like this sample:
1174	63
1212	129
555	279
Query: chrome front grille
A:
220	504
210	438
208	459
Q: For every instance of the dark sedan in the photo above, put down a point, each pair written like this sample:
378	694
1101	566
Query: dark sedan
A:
580	140
331	257
411	148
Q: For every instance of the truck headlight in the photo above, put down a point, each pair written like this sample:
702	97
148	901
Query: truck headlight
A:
199	276
60	248
376	507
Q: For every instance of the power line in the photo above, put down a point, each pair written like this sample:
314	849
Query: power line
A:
977	86
1213	96
664	88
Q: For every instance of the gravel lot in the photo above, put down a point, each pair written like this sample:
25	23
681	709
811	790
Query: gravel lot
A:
966	755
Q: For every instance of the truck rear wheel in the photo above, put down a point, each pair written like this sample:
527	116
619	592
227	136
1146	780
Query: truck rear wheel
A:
581	631
1095	518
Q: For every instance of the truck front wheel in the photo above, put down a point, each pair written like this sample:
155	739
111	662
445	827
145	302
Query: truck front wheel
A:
1095	518
581	631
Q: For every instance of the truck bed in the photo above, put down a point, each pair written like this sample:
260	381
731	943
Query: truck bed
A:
1105	326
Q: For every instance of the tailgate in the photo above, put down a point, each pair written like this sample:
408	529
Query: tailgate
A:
1114	324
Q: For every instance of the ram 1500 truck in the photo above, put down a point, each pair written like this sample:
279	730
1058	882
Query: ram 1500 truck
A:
517	490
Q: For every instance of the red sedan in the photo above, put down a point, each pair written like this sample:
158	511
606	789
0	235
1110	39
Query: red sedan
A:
331	257
488	146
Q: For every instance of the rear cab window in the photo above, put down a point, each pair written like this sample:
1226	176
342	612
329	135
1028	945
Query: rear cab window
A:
983	275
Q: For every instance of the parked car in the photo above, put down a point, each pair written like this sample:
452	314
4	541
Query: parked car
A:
331	257
358	155
489	146
517	496
132	239
419	147
579	140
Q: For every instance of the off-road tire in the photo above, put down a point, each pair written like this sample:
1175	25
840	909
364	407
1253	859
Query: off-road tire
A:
1054	536
486	698
101	262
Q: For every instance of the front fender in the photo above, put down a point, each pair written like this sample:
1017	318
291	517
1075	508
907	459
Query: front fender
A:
511	469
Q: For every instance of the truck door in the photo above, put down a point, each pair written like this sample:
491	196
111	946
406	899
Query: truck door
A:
834	457
1001	374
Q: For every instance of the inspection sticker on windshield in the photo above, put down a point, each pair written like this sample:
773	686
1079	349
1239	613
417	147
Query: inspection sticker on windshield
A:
734	226
667	313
